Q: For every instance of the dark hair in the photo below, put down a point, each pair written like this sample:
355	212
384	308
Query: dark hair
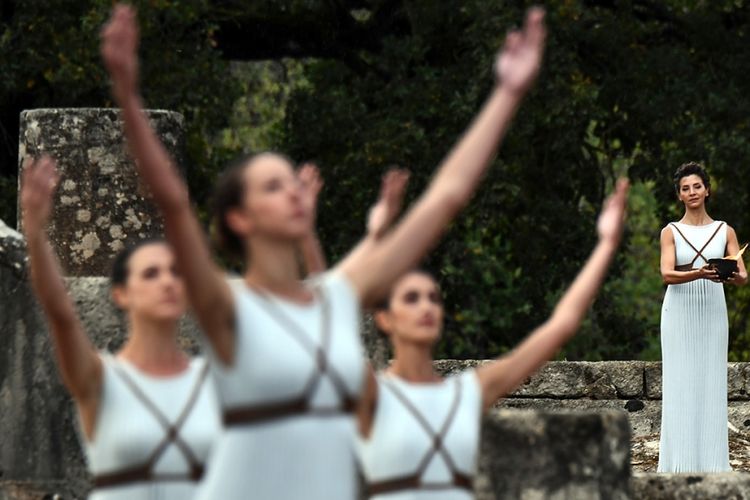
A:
691	168
120	269
228	194
385	304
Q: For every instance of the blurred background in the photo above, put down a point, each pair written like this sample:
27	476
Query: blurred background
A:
628	87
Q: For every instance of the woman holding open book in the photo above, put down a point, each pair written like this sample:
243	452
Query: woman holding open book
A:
694	332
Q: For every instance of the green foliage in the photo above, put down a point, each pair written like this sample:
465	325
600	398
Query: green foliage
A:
627	87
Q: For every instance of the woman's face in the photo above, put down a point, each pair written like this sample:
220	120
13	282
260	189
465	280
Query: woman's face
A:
153	288
272	205
693	192
415	312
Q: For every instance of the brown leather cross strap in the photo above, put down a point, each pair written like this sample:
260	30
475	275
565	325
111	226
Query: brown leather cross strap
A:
414	481
698	253
145	471
263	412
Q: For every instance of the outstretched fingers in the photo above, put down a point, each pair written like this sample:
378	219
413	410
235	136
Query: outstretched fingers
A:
389	203
534	32
119	48
520	59
40	176
310	183
121	31
513	42
38	184
614	211
394	186
310	179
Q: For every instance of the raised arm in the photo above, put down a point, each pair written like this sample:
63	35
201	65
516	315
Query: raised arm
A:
80	365
379	219
669	275
312	253
373	272
502	376
208	291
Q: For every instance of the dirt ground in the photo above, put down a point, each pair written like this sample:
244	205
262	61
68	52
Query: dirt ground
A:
645	452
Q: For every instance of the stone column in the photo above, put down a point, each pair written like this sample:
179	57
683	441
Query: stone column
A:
39	452
100	207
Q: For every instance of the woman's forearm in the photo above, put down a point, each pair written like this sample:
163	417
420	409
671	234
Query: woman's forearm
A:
76	355
153	162
674	277
47	281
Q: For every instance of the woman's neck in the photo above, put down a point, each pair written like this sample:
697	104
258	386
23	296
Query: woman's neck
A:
274	266
152	347
696	217
413	363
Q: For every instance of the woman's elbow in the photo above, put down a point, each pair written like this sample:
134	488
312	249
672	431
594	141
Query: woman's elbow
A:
666	279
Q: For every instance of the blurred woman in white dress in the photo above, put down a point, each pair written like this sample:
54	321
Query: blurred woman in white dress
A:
148	414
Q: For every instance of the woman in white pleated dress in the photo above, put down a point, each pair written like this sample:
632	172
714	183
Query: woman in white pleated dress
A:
694	332
288	360
148	415
419	432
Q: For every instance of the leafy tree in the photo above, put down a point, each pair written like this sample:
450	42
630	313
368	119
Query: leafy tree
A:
358	85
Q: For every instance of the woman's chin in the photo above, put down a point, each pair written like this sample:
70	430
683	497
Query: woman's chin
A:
425	339
167	315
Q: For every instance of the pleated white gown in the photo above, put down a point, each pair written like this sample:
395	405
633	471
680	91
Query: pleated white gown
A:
694	331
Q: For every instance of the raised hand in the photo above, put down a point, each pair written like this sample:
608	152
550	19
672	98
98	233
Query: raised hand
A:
612	218
311	182
521	57
38	184
389	203
119	49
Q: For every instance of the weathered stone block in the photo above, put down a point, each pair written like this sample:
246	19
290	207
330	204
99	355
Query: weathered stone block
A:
100	206
653	380
37	490
731	485
36	418
561	456
643	421
573	379
738	381
645	418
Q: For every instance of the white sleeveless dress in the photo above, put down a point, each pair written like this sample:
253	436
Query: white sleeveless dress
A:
153	434
288	397
424	439
694	331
